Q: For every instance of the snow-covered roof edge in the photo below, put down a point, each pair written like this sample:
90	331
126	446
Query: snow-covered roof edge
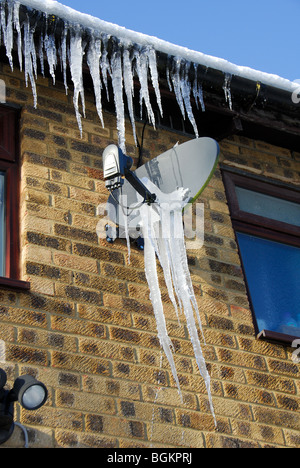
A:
112	52
69	14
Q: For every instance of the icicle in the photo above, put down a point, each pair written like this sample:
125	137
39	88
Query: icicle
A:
117	83
18	29
63	55
3	21
169	274
41	55
155	296
163	232
197	91
169	79
76	59
129	88
30	58
93	60
227	89
143	61
168	73
33	55
154	76
186	94
7	28
141	57
104	63
176	80
165	255
182	89
50	48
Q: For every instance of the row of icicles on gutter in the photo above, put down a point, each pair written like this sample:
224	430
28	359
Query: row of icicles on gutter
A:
126	62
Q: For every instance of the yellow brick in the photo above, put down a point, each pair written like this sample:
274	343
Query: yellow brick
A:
224	231
100	187
229	256
259	155
175	437
86	196
34	146
258	432
33	223
36	253
85	402
45	339
40	285
36	196
52	92
75	263
85	222
46	212
54	417
261	145
218	206
91	127
70	179
73	205
32	170
229	147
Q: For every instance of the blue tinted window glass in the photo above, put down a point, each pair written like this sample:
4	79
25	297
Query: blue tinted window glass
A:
2	224
267	206
273	275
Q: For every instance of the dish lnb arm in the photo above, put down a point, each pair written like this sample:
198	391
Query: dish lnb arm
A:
138	185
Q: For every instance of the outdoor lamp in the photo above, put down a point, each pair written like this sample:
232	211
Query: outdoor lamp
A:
30	393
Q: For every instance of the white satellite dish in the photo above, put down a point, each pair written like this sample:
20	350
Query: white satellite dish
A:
189	166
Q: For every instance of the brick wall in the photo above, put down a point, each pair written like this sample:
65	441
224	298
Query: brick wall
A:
87	329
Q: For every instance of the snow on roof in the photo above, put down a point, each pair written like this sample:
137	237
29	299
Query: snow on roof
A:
55	8
132	54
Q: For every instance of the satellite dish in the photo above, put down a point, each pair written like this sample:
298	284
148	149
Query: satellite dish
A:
189	165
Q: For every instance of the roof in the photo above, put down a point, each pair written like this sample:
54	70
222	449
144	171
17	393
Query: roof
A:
121	61
52	7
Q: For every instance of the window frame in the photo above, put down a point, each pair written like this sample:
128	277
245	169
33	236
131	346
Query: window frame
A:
2	221
248	223
9	164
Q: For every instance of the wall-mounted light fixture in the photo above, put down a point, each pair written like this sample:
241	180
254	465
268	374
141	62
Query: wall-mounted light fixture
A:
30	393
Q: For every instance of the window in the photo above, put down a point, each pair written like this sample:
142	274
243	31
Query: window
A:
9	200
266	219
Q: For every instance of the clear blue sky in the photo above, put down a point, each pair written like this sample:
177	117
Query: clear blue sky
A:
261	34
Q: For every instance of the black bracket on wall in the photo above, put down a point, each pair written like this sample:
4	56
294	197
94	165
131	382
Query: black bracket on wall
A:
115	232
